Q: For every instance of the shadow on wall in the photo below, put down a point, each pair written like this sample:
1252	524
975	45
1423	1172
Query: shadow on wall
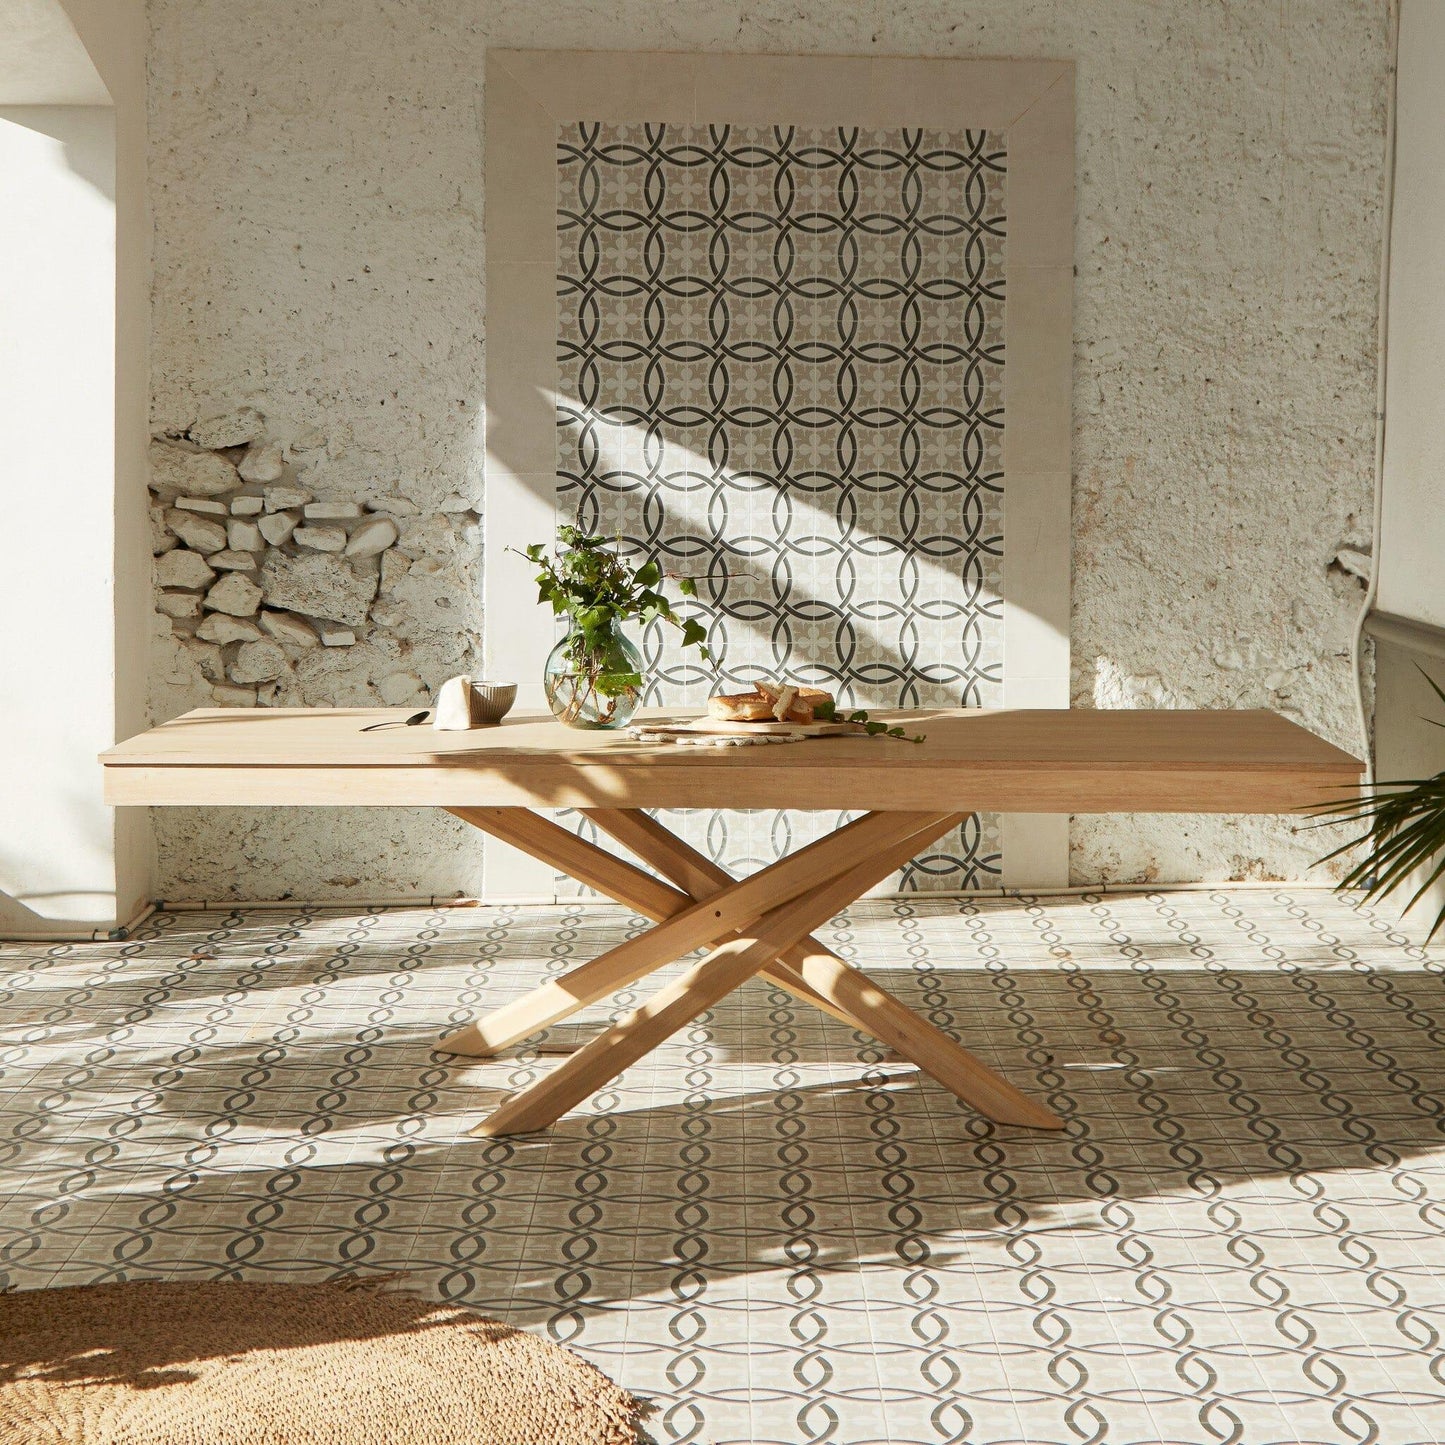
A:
85	134
774	605
75	848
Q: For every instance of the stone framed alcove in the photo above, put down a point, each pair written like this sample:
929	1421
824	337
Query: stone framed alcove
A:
801	326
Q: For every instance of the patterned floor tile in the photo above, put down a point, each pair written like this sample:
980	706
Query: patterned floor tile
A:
771	1227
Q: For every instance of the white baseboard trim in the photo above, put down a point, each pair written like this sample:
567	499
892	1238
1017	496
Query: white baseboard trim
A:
377	905
89	935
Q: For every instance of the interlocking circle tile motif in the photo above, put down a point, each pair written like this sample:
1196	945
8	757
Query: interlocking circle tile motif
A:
780	368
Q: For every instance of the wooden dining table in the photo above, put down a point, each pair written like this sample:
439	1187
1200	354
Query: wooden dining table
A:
906	794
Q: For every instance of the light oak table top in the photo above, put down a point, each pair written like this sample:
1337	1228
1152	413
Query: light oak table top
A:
1007	760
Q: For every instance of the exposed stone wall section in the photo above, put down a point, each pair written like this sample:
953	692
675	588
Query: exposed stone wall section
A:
270	594
316	179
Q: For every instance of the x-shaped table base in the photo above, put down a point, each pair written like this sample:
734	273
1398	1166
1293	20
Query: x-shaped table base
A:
759	924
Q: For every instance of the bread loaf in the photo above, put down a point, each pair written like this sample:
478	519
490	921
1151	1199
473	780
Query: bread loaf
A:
769	702
740	707
805	703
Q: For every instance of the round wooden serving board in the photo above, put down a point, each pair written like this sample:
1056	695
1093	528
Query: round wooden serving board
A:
719	727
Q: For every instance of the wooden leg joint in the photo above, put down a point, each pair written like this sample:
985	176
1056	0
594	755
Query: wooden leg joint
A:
761	924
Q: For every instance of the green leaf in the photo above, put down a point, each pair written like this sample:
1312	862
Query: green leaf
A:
828	712
1440	693
617	684
1404	832
588	580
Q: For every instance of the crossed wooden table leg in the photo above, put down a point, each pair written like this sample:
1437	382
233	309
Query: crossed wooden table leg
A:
760	924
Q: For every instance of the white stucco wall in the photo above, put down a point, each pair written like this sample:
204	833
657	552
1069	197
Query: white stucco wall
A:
1408	744
57	381
74	389
115	34
1412	521
317	180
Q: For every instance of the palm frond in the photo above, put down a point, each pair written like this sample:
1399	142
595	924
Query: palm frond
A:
1438	691
1404	832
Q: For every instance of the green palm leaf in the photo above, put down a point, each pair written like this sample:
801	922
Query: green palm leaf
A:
1404	831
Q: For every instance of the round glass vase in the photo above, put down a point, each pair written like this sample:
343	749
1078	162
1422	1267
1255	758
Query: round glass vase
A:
594	682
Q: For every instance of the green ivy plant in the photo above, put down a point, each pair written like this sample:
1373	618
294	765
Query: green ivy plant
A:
1405	830
828	712
588	583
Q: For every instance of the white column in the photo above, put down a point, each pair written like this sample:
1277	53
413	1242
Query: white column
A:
74	552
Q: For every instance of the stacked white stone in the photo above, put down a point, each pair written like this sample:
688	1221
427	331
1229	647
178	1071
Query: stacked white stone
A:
251	569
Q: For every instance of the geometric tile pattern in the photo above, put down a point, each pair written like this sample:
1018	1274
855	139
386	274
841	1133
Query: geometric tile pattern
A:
771	1228
780	371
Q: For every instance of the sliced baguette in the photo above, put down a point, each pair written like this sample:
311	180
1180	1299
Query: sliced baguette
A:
807	701
740	707
784	702
769	702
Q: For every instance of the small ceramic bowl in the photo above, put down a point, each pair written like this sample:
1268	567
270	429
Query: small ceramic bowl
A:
492	701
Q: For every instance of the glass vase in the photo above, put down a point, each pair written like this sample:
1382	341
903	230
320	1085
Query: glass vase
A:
596	681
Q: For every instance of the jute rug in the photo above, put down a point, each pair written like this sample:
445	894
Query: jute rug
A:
277	1364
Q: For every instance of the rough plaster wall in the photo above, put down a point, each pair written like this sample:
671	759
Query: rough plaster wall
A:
317	193
316	175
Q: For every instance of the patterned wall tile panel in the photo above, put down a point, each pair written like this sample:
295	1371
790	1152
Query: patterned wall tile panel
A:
780	370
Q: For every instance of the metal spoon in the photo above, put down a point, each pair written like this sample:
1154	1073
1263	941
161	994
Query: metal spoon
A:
410	722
